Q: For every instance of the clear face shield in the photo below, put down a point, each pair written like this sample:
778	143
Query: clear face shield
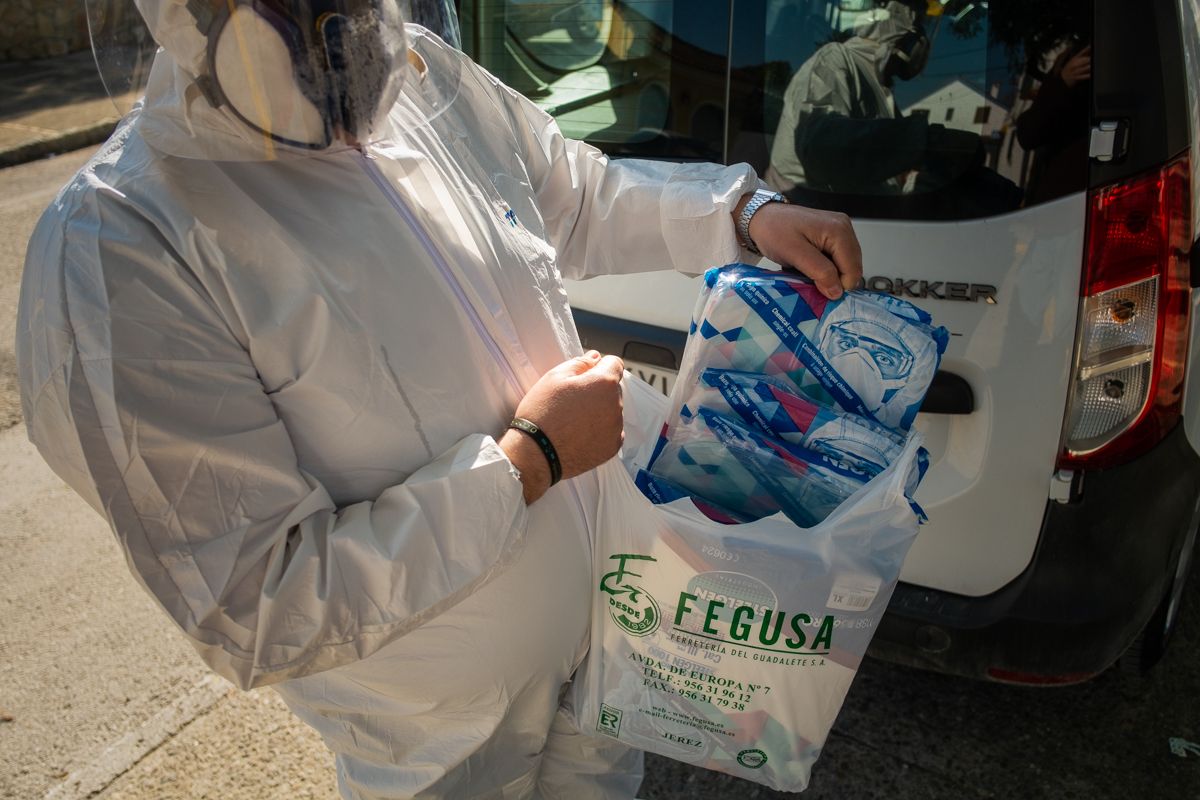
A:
439	16
299	74
123	48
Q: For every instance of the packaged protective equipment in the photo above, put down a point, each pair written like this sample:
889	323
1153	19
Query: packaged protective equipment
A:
870	354
732	647
718	459
661	490
775	410
279	373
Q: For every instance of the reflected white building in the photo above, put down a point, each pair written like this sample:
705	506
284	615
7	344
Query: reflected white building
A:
961	106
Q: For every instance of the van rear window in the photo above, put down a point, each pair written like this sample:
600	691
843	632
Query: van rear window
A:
901	109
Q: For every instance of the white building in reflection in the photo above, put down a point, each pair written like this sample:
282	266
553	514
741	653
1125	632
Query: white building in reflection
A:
957	104
961	106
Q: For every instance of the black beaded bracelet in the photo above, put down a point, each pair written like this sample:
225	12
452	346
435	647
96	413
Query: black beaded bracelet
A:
543	441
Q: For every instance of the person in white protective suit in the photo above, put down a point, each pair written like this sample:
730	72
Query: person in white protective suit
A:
840	129
275	332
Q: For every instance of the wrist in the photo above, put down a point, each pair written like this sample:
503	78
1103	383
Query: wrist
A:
747	210
527	457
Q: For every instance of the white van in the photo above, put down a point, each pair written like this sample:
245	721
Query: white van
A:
1040	208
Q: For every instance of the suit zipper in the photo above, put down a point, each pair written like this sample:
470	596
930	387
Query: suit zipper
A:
402	208
398	203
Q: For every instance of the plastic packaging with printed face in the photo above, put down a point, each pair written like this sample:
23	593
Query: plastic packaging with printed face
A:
779	386
869	354
770	407
775	410
724	462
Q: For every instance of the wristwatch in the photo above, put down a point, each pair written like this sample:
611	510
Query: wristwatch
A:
759	199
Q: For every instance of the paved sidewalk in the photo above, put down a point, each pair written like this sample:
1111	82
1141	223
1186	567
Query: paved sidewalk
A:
52	106
104	698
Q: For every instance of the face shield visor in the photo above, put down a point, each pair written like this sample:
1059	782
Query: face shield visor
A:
898	30
438	16
300	74
123	48
910	54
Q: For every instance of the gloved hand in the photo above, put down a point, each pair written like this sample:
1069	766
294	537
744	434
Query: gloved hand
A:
578	405
819	244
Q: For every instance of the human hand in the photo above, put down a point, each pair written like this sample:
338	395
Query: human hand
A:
577	404
1078	67
819	244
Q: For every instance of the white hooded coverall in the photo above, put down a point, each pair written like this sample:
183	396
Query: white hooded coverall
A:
839	129
279	381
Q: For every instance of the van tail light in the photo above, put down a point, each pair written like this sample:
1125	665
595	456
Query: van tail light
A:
1131	345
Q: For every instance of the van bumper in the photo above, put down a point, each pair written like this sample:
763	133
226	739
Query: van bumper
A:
1103	563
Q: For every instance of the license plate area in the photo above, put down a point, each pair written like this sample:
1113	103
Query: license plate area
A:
660	378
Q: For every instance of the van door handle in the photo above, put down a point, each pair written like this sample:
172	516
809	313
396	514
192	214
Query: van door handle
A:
948	394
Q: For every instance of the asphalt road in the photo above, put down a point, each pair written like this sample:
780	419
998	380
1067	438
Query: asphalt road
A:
105	697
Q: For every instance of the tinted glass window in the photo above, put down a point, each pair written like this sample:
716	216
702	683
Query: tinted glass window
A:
635	77
916	109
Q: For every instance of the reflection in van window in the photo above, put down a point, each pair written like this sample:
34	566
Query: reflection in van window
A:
634	77
916	109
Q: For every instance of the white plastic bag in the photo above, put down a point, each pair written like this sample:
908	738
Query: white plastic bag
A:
731	647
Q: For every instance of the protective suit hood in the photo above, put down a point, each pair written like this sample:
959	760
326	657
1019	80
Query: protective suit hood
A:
175	31
880	36
186	113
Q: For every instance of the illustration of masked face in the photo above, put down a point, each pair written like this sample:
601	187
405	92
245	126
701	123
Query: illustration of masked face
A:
858	445
869	357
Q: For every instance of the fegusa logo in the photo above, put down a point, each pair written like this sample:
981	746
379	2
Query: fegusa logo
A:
630	606
933	290
739	623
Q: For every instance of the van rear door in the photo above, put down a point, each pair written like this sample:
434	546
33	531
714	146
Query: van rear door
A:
966	179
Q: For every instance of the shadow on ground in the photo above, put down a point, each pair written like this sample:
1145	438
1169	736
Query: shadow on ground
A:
29	86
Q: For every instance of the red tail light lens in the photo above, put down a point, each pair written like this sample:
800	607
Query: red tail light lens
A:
1131	346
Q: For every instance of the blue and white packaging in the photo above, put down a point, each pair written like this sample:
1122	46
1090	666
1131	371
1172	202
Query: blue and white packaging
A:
870	354
722	461
660	490
777	411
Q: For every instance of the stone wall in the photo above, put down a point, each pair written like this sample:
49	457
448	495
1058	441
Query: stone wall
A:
32	29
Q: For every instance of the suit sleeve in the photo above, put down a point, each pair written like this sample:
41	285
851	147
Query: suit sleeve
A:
614	216
139	397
